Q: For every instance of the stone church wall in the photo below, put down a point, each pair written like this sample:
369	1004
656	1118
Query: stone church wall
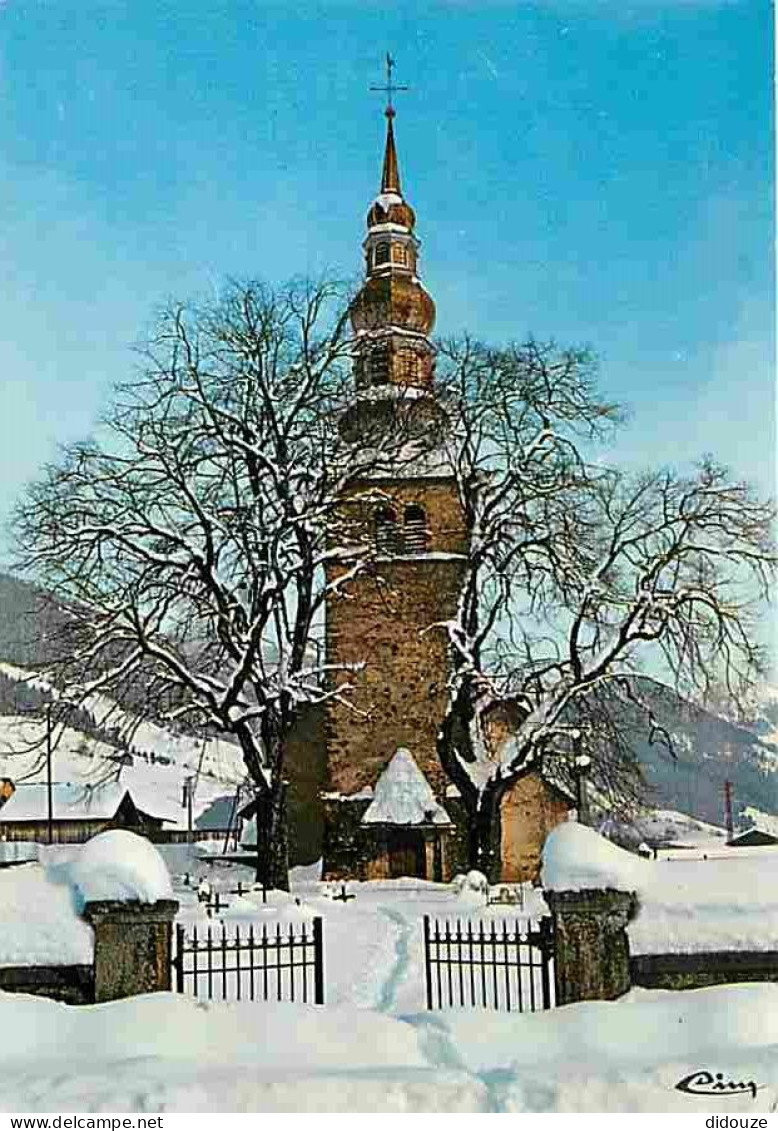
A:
399	694
529	811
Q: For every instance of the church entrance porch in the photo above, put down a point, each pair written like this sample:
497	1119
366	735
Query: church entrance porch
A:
396	851
399	828
406	853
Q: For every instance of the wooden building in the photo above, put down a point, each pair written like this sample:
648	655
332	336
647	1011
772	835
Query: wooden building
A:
78	813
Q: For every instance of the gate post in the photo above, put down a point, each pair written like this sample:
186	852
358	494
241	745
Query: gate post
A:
318	962
178	959
427	961
546	932
132	946
591	943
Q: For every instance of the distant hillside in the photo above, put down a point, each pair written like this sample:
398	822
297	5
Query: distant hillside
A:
710	750
31	623
36	631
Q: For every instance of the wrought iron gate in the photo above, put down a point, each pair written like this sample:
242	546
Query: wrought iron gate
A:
495	965
267	963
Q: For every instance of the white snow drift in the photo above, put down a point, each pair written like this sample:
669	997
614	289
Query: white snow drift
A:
170	1053
122	866
722	903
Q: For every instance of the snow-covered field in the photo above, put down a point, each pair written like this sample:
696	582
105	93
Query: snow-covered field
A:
170	1053
373	1047
726	900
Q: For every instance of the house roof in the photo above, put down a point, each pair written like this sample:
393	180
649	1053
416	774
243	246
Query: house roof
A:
754	836
403	796
71	801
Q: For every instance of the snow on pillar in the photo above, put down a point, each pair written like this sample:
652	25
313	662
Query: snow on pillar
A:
590	887
123	888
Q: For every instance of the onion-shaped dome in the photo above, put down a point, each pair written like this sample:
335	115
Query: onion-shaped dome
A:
390	208
393	300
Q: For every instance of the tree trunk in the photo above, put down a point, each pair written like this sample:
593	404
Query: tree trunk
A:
485	834
273	838
482	808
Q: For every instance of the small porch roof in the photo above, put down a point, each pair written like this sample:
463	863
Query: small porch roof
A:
403	796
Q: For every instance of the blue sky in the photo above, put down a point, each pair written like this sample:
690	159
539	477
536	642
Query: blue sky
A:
596	171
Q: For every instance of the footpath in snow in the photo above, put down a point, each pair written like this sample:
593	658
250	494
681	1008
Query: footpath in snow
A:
373	1048
170	1053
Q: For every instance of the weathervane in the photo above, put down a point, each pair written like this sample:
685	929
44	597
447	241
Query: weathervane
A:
390	88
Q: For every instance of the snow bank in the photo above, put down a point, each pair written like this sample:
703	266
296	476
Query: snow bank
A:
627	1056
40	924
167	1052
120	865
720	903
576	858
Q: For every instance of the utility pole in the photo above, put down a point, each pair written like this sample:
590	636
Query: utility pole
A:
187	800
49	791
730	820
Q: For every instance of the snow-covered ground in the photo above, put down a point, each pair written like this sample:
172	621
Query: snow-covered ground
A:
170	1053
40	925
724	901
669	827
373	1047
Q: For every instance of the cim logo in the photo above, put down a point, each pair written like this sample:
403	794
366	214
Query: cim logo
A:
705	1083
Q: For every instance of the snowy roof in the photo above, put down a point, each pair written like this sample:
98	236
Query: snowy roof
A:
155	786
71	801
403	796
754	836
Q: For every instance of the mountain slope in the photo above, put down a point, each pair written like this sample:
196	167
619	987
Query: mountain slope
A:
709	751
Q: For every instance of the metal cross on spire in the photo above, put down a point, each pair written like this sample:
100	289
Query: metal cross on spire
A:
390	88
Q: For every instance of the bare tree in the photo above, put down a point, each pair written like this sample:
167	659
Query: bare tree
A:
189	541
577	576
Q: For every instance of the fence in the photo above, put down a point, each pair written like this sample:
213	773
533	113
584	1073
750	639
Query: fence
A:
496	966
681	971
254	965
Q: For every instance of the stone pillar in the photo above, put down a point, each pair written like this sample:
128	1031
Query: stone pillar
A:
133	943
591	943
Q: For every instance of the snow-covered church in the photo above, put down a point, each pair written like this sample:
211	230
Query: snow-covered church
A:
378	800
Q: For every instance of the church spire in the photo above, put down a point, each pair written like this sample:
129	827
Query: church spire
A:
390	179
393	314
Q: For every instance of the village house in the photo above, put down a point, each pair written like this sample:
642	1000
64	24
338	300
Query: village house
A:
78	813
80	810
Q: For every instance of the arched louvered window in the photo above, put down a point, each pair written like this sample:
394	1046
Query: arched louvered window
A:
382	253
386	533
407	366
416	534
379	367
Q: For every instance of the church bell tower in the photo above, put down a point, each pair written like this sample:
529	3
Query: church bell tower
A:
385	805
